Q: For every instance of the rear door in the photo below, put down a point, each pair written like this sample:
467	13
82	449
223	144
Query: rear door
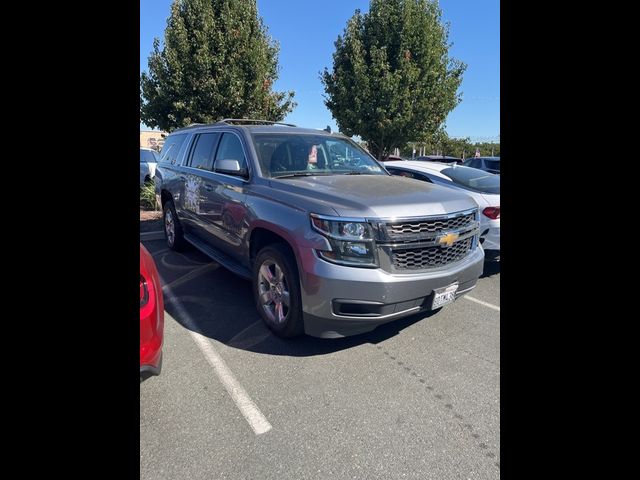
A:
199	162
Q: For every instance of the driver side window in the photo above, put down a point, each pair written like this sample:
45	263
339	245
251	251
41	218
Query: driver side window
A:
231	149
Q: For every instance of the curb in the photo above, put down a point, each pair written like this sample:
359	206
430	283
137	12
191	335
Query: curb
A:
157	235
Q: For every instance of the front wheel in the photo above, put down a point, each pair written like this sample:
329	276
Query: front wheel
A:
276	288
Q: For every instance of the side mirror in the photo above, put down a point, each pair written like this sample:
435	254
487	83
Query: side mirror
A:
230	167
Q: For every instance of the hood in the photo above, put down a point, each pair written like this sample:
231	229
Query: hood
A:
375	196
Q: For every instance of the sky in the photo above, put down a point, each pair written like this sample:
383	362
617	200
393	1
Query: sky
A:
307	29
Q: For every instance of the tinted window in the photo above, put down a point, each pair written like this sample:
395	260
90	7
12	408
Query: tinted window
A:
473	179
147	156
202	153
231	149
492	164
400	173
424	178
171	148
406	173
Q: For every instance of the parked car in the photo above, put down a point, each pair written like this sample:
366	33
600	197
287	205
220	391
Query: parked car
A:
333	243
438	158
392	158
482	186
148	163
488	164
151	317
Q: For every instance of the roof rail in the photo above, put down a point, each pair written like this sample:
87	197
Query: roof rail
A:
251	121
190	126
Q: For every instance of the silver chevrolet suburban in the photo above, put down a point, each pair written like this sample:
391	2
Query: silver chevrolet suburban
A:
333	244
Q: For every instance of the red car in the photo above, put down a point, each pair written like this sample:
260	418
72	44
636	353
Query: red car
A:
151	317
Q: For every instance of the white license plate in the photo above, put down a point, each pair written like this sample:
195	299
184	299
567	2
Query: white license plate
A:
444	295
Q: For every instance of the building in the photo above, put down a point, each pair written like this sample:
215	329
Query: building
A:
152	139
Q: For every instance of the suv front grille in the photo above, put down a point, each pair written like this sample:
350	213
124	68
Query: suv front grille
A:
430	226
430	257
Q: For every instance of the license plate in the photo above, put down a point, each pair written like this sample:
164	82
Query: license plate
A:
444	295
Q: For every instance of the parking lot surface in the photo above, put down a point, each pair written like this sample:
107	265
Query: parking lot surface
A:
416	398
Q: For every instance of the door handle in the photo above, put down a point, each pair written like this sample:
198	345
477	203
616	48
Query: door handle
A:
208	187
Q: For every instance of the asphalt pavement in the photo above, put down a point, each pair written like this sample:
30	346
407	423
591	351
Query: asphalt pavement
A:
418	398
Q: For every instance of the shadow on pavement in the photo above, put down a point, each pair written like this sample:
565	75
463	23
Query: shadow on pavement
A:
206	298
490	269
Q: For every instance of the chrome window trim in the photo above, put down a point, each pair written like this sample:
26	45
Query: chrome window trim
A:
423	217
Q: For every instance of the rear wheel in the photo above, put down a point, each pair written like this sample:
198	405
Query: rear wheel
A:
172	228
276	288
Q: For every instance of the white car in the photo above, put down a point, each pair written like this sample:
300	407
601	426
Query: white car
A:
148	163
483	187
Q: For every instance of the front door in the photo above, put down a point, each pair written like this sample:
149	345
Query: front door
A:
222	208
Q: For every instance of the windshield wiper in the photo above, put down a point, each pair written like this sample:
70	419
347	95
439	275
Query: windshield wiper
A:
302	174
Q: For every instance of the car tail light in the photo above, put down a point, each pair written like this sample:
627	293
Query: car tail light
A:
144	291
492	212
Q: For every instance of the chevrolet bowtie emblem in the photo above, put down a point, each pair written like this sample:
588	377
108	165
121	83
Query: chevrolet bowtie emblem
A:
448	239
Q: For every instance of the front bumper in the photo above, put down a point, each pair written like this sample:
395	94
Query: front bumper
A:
340	301
153	369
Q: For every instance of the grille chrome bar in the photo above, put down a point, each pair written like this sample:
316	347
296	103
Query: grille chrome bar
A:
411	243
431	257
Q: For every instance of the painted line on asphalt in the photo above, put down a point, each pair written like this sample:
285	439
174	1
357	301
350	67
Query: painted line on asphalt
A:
249	410
489	305
252	414
189	276
246	340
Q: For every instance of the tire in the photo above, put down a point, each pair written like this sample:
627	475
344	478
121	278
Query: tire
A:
173	235
284	320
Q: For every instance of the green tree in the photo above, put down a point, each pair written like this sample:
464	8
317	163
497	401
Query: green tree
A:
217	62
392	79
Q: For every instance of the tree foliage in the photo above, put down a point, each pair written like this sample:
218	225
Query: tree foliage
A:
217	62
442	144
392	79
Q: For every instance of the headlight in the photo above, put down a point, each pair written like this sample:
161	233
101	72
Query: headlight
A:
351	241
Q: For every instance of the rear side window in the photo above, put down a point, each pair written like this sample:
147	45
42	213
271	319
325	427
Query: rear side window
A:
400	173
202	156
408	174
171	148
492	164
231	149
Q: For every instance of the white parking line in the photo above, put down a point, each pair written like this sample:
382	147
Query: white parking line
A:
189	276
252	414
249	410
489	305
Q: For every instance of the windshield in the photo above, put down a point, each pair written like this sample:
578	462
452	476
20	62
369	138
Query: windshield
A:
474	179
290	155
148	156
